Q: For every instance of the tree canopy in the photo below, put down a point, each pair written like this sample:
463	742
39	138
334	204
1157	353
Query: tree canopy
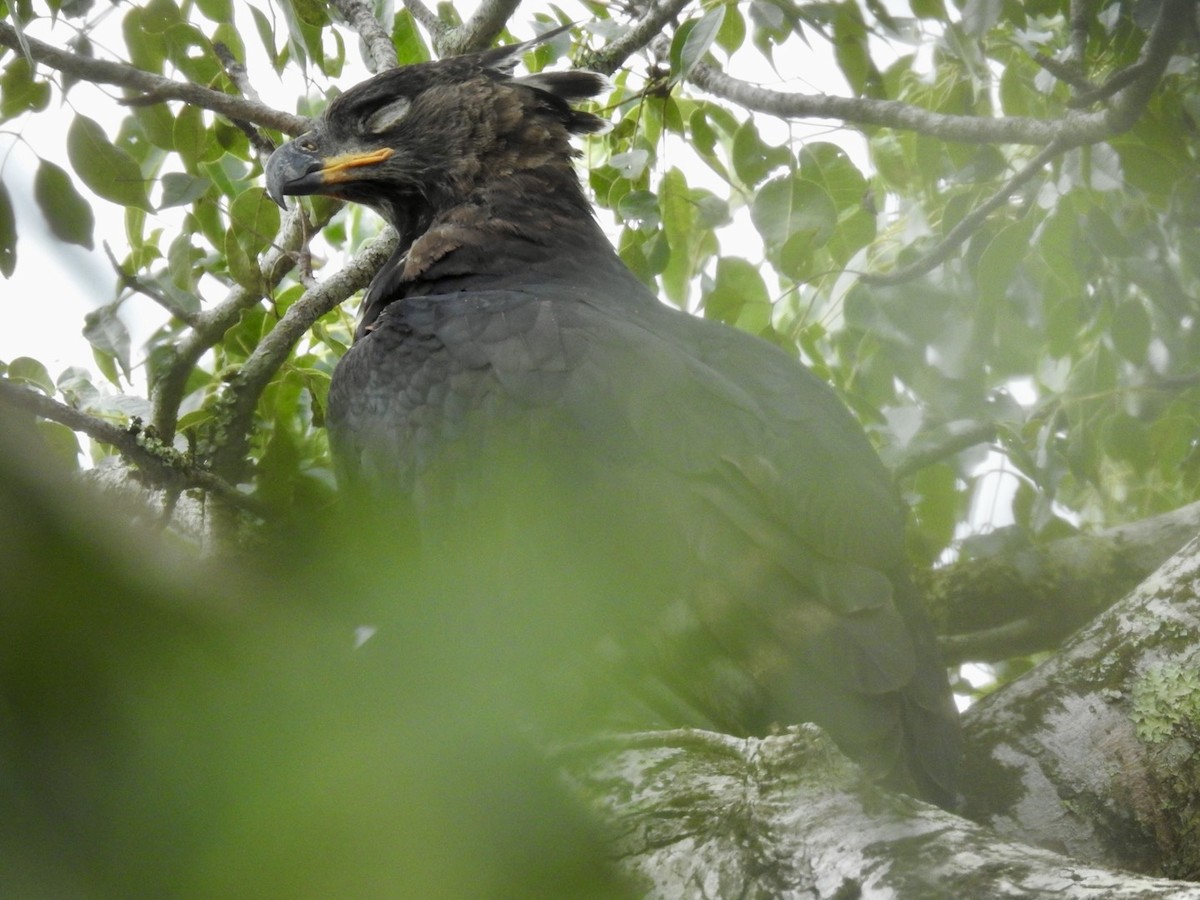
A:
985	240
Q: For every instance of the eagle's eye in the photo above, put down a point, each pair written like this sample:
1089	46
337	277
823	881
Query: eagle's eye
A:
388	115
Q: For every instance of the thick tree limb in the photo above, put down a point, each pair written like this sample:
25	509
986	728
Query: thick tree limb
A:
153	88
241	396
159	462
479	31
708	815
1095	751
1030	598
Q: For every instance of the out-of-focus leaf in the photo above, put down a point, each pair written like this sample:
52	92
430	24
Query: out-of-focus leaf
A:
739	296
107	170
27	370
67	213
692	41
179	189
219	11
8	234
61	442
999	261
794	217
108	335
732	33
19	92
1131	331
641	207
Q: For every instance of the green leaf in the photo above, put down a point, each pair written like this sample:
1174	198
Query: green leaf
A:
61	442
242	267
406	38
794	216
180	189
8	234
266	34
27	370
1131	331
192	138
19	92
692	41
108	336
67	213
640	207
739	296
254	218
109	171
219	11
732	33
1001	258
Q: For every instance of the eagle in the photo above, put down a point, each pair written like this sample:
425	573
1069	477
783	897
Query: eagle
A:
752	538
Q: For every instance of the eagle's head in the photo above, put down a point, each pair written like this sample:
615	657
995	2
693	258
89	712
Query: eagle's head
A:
429	134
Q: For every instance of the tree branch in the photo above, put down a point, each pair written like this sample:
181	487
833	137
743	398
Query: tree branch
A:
969	223
209	326
428	20
1072	130
479	31
380	54
610	58
161	463
237	405
1028	598
153	88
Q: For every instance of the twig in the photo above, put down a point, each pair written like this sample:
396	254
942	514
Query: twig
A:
380	54
241	80
161	463
970	223
133	283
237	405
980	433
613	55
154	88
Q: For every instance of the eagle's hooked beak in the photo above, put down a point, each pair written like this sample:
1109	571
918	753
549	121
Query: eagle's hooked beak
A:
293	170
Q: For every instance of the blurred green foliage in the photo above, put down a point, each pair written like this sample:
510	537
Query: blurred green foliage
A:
175	728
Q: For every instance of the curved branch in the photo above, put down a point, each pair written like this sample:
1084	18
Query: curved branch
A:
161	463
1072	130
610	58
241	397
380	54
971	222
153	88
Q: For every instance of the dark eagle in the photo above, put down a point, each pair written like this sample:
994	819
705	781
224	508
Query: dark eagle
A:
766	536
